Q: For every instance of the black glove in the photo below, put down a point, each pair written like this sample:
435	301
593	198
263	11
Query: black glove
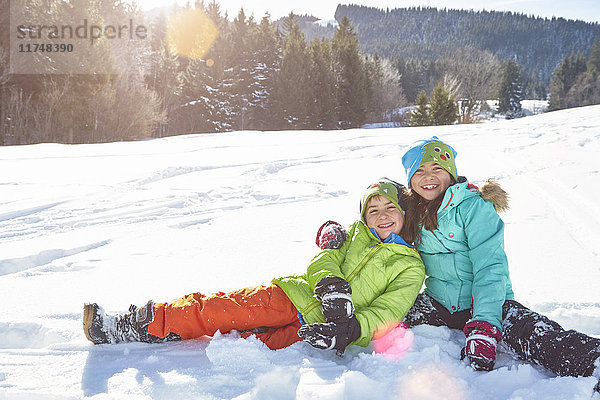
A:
331	335
331	235
335	296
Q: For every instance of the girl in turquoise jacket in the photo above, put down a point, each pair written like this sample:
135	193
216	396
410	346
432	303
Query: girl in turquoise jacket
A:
460	237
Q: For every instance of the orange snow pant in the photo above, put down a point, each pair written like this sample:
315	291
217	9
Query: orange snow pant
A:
264	311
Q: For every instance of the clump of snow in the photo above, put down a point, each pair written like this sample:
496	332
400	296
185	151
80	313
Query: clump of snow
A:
125	222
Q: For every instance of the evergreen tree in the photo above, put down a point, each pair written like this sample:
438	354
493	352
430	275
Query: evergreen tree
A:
213	11
374	82
443	110
322	80
242	62
565	76
195	113
593	64
163	73
350	76
293	90
420	115
220	73
585	89
267	51
223	99
206	100
288	23
584	92
159	31
559	85
579	66
510	93
534	88
166	84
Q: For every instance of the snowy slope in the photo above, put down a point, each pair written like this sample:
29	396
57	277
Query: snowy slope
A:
121	223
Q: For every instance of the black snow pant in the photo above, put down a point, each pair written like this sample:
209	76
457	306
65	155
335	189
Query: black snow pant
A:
531	336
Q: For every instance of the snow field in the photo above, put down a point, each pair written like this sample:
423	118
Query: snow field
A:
121	223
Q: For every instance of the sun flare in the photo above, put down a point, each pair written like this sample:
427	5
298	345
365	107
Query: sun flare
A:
191	33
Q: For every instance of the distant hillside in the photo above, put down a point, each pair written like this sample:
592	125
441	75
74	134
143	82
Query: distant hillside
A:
538	44
311	26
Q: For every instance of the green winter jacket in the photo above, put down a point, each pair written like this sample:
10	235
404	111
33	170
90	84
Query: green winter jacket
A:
464	257
385	279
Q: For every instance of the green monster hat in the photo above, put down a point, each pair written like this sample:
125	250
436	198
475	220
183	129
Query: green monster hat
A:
426	151
393	191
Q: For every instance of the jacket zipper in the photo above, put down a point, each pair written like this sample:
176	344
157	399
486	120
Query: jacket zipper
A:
352	275
449	200
364	261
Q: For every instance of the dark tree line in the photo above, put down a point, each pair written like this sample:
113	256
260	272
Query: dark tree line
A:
255	75
576	81
58	105
537	44
265	75
268	76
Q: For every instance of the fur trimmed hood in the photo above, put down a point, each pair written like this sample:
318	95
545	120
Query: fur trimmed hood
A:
491	191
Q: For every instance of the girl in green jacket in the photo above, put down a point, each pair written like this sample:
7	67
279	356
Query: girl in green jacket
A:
461	240
347	295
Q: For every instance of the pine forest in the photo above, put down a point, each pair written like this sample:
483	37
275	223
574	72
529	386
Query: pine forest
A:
199	70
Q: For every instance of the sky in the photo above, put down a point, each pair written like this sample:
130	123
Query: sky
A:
586	10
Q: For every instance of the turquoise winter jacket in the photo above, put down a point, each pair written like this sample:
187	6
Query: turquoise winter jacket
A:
464	257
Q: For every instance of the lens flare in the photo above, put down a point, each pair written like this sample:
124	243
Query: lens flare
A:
395	342
191	33
431	382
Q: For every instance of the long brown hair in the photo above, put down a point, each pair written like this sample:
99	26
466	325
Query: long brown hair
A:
420	213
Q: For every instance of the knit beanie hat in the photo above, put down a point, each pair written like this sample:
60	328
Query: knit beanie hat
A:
393	191
426	151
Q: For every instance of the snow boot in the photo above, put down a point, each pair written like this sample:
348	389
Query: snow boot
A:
132	326
596	374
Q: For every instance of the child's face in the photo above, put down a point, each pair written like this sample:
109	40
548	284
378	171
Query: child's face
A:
430	180
383	216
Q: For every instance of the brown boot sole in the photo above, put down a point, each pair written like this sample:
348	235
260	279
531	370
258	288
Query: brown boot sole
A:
88	319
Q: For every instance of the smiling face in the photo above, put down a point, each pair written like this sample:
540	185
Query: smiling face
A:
383	216
430	181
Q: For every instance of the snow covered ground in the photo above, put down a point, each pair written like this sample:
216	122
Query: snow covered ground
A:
125	222
534	107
